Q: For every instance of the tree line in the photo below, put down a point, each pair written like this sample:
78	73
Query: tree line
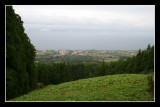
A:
63	72
23	74
143	62
56	73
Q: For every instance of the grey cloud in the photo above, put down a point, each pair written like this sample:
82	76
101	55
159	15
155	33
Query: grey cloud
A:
88	27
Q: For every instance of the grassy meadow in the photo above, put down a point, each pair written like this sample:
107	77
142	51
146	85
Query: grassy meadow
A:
119	87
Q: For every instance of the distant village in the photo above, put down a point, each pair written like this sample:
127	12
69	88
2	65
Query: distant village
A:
72	56
87	52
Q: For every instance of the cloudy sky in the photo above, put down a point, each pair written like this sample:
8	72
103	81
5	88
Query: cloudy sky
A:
101	27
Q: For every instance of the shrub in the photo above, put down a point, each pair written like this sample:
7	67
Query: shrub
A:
40	85
150	78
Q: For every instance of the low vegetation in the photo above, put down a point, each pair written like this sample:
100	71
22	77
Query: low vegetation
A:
120	87
150	78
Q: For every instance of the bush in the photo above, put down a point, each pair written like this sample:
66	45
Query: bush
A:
40	85
150	78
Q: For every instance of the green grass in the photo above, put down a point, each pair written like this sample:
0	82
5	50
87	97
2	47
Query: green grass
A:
120	87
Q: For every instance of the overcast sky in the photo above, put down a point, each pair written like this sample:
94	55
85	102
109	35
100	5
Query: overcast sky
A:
73	27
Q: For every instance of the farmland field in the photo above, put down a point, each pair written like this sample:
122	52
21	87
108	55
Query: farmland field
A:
120	87
79	56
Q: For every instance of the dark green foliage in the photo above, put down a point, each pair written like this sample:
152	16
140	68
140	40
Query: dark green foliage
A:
63	72
143	62
20	55
11	83
102	70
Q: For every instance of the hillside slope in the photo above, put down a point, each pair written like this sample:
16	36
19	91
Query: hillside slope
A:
120	87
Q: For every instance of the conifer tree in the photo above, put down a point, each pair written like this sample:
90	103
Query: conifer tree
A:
103	69
20	55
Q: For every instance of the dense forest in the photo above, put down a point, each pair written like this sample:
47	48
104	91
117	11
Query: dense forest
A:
24	75
20	56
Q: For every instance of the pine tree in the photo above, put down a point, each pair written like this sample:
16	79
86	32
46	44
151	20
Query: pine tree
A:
103	69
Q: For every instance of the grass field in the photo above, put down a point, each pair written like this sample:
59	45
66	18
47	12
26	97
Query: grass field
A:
120	87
